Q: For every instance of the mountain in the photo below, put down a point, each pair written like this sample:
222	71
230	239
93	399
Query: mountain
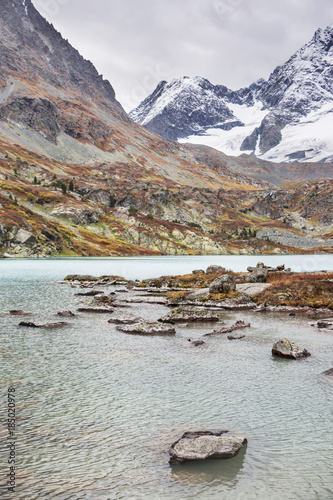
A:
287	118
79	177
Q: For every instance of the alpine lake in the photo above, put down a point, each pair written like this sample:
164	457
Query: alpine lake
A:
97	409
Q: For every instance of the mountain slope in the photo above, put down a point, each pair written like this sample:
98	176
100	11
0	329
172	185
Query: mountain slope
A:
79	177
286	118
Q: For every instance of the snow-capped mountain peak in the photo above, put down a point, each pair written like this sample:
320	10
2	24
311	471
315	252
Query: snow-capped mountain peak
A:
274	120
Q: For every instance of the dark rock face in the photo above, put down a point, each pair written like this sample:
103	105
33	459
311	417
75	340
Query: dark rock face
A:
205	445
38	114
194	104
283	348
223	284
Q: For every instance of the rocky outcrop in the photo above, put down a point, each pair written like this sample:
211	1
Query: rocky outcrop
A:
37	114
76	215
284	348
189	314
205	445
147	328
223	284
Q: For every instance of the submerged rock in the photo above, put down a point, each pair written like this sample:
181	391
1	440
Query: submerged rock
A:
97	310
205	445
66	314
196	343
223	284
30	324
189	314
237	337
325	323
328	373
92	293
125	319
147	328
284	348
19	312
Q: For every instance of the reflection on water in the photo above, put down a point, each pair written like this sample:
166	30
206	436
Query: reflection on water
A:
98	409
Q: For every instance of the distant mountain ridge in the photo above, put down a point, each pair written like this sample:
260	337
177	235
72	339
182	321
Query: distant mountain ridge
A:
286	118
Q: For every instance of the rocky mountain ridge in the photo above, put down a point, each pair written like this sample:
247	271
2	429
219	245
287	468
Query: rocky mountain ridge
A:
283	119
79	177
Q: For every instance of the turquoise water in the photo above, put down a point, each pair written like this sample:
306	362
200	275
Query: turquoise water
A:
98	409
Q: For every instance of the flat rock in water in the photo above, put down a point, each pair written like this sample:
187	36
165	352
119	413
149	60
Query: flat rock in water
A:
205	445
125	319
97	310
138	299
30	324
92	293
147	328
284	348
237	337
189	314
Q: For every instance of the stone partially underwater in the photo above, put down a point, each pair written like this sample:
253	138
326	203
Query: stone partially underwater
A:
203	445
284	348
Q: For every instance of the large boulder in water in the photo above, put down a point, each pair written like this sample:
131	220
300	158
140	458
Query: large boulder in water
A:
284	348
223	284
205	445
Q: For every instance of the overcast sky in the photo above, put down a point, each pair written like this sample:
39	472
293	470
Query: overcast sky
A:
137	43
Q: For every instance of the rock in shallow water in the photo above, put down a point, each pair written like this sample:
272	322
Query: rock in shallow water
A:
284	348
205	445
147	328
30	324
188	314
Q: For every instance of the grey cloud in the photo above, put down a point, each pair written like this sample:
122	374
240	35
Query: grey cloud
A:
137	43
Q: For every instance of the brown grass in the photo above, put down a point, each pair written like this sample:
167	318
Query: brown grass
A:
299	290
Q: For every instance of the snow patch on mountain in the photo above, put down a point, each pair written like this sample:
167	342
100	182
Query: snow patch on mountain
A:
311	139
229	141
